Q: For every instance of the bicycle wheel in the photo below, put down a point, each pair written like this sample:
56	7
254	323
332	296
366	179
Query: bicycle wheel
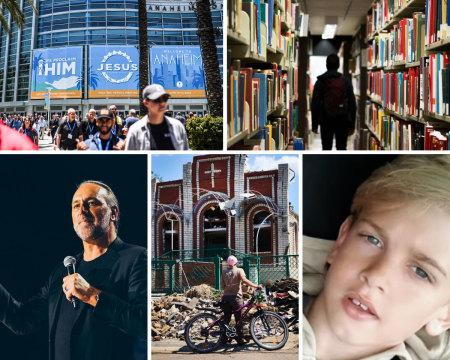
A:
202	335
269	331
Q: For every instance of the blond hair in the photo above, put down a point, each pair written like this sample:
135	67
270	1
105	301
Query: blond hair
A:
422	180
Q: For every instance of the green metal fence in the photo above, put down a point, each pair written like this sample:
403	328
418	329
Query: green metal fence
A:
184	255
260	269
169	276
176	271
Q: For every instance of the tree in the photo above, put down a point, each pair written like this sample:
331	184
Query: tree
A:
143	53
197	78
93	79
206	32
157	177
17	15
36	67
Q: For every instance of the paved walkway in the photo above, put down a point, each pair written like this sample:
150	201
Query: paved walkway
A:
176	349
46	144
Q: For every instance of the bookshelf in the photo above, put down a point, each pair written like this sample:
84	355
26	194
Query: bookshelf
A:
358	72
408	76
263	74
349	67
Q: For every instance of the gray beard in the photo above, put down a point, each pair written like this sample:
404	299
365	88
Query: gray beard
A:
90	231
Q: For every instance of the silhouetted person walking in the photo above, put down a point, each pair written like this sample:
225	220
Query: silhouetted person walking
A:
333	106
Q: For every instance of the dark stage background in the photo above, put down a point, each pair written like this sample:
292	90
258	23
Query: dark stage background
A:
36	230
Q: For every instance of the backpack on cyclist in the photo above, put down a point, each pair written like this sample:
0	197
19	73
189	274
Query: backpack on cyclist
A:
335	98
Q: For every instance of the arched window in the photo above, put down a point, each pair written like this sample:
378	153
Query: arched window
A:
215	228
262	242
170	235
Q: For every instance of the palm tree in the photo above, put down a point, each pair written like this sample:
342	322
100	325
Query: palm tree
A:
17	15
158	79
93	79
79	82
143	53
36	66
197	80
206	33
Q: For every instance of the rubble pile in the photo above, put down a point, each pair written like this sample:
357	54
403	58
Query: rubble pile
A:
170	314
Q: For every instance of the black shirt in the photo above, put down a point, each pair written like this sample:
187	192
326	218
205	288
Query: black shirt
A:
69	317
65	132
105	142
161	136
87	126
72	321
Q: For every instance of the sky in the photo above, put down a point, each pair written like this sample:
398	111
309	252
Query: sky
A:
170	167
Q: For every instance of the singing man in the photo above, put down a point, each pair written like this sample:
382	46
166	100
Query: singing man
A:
110	287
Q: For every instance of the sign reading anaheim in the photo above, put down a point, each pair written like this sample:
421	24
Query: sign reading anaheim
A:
113	71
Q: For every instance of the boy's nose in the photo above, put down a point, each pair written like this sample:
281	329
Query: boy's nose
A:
377	274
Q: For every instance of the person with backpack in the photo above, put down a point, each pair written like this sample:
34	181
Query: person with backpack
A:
333	106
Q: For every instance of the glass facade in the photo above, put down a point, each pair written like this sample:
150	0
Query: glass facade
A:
25	54
3	39
163	29
86	22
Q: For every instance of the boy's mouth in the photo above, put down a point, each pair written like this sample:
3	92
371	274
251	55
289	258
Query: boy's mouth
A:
359	308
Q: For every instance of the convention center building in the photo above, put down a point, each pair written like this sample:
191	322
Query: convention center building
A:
85	54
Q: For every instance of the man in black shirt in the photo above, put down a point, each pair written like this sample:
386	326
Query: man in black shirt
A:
89	125
104	139
68	132
157	131
110	287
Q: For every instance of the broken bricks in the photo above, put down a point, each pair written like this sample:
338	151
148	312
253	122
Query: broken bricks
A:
170	314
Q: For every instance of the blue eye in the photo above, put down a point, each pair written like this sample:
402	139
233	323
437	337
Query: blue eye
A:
420	273
373	240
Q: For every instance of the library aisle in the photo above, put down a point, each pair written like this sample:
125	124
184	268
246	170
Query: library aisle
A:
394	53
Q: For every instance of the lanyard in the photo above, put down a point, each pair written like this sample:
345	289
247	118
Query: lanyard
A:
99	142
71	129
91	129
113	131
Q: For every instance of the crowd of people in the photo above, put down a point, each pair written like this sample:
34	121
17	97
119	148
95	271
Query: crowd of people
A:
30	126
103	129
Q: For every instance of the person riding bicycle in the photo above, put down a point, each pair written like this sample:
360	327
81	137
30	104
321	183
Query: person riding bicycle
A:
231	281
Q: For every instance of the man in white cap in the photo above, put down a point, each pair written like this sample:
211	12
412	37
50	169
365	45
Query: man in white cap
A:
231	281
156	131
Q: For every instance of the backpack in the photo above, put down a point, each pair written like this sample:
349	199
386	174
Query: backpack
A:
335	98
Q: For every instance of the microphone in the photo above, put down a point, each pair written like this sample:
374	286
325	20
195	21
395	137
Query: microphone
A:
69	263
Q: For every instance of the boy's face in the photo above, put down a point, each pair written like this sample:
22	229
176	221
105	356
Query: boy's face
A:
395	262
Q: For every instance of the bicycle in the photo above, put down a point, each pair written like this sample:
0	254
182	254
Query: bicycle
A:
205	332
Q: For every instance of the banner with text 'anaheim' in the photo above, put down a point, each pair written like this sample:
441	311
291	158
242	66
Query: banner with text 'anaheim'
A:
113	71
179	69
58	70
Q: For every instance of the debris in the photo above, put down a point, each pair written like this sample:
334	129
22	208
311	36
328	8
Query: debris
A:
171	314
202	291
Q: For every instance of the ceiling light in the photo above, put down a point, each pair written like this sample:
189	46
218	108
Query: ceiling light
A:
329	31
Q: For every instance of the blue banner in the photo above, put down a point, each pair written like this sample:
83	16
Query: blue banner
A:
179	69
113	71
57	69
47	101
